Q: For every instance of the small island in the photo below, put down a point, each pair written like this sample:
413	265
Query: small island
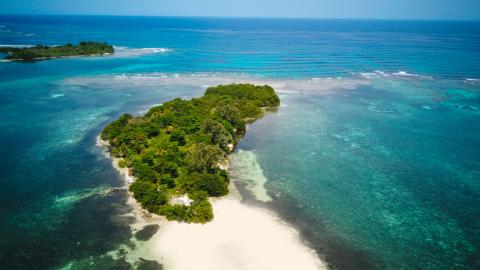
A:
41	52
176	150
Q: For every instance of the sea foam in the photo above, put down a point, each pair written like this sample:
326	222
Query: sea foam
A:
129	52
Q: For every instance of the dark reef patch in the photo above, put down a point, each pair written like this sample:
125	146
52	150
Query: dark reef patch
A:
148	265
147	232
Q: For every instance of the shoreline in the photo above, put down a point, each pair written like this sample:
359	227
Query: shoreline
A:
119	52
58	57
239	237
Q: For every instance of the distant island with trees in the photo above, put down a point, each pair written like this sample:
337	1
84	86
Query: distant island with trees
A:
177	149
40	52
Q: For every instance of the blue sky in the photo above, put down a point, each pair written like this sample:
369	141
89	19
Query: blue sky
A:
381	9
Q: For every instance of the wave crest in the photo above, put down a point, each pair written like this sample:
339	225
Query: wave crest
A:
126	52
398	74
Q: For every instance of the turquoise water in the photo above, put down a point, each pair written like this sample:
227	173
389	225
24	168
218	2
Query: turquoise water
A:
374	154
390	168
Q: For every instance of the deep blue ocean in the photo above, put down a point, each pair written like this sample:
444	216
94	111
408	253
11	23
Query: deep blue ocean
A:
374	154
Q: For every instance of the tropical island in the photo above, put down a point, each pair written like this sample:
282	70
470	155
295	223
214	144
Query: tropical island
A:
176	150
40	52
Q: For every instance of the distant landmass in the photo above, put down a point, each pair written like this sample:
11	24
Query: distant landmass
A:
41	52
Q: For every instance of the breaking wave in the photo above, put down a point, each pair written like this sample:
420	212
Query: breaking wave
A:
129	52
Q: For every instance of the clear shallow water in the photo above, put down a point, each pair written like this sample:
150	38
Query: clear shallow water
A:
389	169
379	168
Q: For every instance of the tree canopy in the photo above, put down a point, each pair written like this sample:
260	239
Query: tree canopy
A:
84	48
176	148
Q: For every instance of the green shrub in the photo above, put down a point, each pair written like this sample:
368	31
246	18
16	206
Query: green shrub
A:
122	163
214	184
148	195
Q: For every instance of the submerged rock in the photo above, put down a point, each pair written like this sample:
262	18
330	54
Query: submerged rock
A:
147	232
148	265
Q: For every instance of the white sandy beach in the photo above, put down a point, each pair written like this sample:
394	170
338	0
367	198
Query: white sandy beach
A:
240	237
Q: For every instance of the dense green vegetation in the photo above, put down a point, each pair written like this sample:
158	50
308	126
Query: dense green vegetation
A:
84	48
176	148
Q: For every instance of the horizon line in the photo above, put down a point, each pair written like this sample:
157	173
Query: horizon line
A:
246	17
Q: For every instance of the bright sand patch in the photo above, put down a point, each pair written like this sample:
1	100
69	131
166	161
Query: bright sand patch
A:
239	237
245	168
